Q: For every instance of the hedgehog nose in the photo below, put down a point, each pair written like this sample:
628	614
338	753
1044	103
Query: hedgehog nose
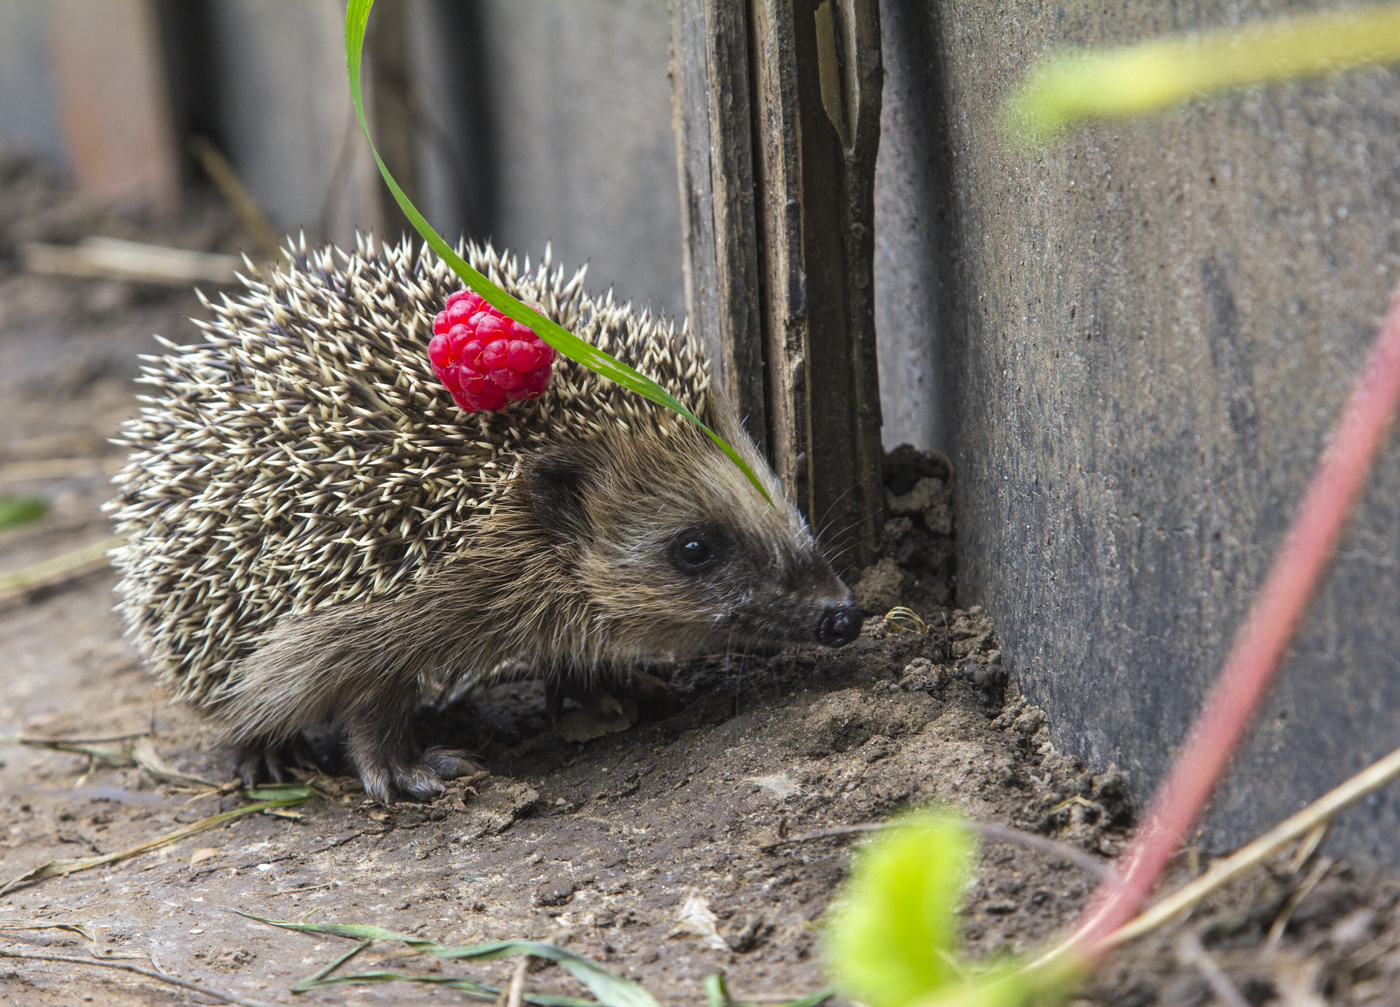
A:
839	625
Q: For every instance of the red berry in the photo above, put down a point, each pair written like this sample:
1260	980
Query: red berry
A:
458	313
520	356
440	351
485	359
493	354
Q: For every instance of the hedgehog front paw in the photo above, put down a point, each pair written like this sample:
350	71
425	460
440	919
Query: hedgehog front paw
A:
387	781
381	747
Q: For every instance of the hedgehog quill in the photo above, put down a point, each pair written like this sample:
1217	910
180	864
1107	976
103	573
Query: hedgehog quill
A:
317	535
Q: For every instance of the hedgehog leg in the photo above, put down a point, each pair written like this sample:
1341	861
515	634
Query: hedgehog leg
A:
607	693
656	700
380	743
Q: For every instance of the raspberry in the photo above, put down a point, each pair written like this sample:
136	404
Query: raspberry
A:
485	359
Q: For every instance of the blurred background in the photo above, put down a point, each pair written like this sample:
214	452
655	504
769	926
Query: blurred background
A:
529	123
523	121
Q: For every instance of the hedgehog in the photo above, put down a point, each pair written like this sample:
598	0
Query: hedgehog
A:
316	536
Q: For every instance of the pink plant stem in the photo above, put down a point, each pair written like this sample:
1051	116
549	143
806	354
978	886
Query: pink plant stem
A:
1270	625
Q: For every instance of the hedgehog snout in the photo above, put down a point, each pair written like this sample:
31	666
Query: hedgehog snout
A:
839	624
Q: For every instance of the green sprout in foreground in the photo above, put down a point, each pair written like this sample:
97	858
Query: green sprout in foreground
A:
893	935
1116	83
555	335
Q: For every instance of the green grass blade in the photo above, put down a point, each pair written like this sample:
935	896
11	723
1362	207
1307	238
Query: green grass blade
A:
311	981
285	794
611	990
814	1000
18	510
716	992
1130	80
717	995
478	990
570	345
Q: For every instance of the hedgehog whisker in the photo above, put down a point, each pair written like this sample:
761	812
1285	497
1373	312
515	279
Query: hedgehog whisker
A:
826	514
842	541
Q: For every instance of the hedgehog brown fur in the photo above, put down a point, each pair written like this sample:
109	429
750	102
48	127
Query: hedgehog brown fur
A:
316	533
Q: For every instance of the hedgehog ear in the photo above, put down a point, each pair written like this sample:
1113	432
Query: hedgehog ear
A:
554	490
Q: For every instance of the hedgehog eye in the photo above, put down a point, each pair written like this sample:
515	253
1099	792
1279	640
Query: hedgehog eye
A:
692	552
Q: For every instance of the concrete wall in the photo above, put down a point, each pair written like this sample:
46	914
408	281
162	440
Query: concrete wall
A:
1144	334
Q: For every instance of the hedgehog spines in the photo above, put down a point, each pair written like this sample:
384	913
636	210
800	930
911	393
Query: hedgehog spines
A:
302	453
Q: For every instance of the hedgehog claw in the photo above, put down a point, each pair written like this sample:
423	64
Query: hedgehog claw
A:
450	763
419	782
377	785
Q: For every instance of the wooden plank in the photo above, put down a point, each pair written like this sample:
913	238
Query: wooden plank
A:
817	241
839	138
779	284
778	173
710	101
114	101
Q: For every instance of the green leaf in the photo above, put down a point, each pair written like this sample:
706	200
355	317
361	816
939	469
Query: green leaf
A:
283	794
1134	79
611	990
18	510
570	345
892	936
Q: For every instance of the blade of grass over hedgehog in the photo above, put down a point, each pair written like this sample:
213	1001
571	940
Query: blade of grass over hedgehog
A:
1120	82
562	340
273	798
610	989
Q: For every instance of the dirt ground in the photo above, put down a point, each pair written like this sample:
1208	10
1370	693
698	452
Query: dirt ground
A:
595	844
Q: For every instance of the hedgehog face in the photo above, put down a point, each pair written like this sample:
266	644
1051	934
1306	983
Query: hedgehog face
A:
688	562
